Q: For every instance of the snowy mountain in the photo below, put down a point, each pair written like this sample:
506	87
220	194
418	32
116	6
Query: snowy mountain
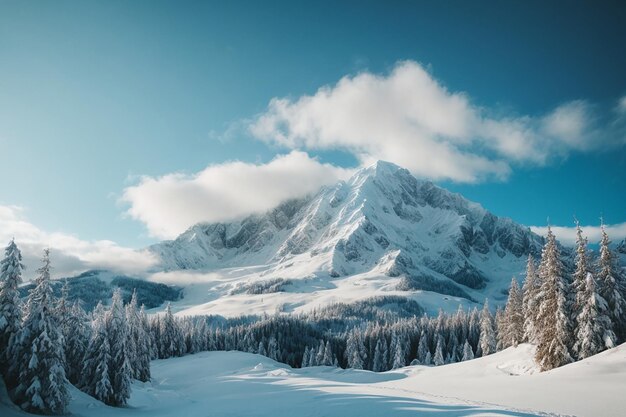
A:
381	222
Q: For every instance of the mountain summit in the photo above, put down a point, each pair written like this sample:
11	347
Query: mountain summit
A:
381	222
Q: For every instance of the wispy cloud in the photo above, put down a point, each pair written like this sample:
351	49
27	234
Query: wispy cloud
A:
70	255
170	204
567	235
410	118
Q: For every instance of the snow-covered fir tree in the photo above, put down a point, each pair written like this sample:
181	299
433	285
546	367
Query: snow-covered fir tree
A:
579	278
76	332
138	341
553	320
468	354
594	331
398	360
354	349
120	369
329	359
10	312
380	356
272	349
530	301
612	287
438	358
513	319
422	349
487	341
170	337
96	375
43	387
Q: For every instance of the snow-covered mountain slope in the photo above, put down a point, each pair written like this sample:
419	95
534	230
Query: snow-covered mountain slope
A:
382	224
237	384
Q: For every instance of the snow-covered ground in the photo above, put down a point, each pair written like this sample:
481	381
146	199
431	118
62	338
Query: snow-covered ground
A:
242	384
208	293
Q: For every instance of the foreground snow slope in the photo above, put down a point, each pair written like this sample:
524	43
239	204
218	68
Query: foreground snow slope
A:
238	384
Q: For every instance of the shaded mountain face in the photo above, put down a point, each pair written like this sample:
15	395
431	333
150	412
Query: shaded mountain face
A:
381	220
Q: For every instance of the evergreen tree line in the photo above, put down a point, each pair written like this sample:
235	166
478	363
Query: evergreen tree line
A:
47	343
568	315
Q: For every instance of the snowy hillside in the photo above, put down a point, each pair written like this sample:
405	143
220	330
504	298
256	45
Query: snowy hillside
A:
235	383
382	231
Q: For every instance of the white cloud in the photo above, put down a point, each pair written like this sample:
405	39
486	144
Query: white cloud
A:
70	255
170	204
409	118
621	105
567	235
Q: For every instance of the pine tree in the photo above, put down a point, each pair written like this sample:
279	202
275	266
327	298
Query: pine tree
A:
354	349
328	355
438	359
144	348
76	331
43	387
487	341
170	337
582	270
96	376
553	324
399	356
422	349
611	287
468	354
380	356
530	301
10	313
513	326
138	347
319	357
119	368
594	333
272	349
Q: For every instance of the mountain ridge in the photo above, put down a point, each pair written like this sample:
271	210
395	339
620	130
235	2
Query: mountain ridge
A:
381	220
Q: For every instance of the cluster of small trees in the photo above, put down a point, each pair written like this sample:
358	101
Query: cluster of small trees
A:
317	339
568	315
47	343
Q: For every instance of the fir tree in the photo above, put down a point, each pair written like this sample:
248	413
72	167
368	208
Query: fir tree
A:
272	349
10	313
530	301
468	354
487	341
513	317
96	376
43	387
399	356
328	355
120	369
438	359
611	287
170	337
553	325
594	333
422	349
76	332
138	344
354	349
380	356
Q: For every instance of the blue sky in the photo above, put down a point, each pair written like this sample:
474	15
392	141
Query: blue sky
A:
94	95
